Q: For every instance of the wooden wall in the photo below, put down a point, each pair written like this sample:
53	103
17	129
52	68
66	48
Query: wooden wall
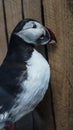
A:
59	16
55	112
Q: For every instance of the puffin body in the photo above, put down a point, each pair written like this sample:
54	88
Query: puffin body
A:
24	74
33	90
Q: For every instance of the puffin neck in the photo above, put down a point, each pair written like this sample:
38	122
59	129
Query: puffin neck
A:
19	50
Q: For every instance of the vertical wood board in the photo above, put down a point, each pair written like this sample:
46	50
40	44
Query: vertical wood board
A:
59	18
3	46
13	14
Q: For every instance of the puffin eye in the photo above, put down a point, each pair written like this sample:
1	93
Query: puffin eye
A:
34	25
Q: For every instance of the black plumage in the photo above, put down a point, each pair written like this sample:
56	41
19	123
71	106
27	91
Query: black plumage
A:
13	71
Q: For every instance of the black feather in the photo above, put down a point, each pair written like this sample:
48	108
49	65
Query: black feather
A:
13	71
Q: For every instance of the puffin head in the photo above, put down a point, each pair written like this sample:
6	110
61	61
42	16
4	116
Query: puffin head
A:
32	32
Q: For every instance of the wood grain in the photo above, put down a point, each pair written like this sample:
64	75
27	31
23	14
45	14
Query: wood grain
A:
32	9
59	17
3	46
13	14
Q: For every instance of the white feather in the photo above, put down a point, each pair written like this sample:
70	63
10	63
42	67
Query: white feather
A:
34	87
3	116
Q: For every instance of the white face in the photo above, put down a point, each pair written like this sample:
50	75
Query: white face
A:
32	31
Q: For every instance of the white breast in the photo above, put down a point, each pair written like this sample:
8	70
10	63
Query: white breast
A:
37	82
35	86
38	74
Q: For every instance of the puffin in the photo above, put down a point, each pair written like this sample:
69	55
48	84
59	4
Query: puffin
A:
24	73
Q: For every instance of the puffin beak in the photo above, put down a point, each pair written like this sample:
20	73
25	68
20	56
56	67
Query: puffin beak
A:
47	38
52	37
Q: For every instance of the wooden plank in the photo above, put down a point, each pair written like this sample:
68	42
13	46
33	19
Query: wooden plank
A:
59	17
13	14
3	46
32	9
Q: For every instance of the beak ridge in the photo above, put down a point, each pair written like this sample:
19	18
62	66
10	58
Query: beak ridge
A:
52	37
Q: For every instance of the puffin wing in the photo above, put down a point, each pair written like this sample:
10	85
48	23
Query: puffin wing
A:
6	102
10	79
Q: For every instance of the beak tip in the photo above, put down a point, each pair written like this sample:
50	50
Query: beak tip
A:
52	37
53	42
